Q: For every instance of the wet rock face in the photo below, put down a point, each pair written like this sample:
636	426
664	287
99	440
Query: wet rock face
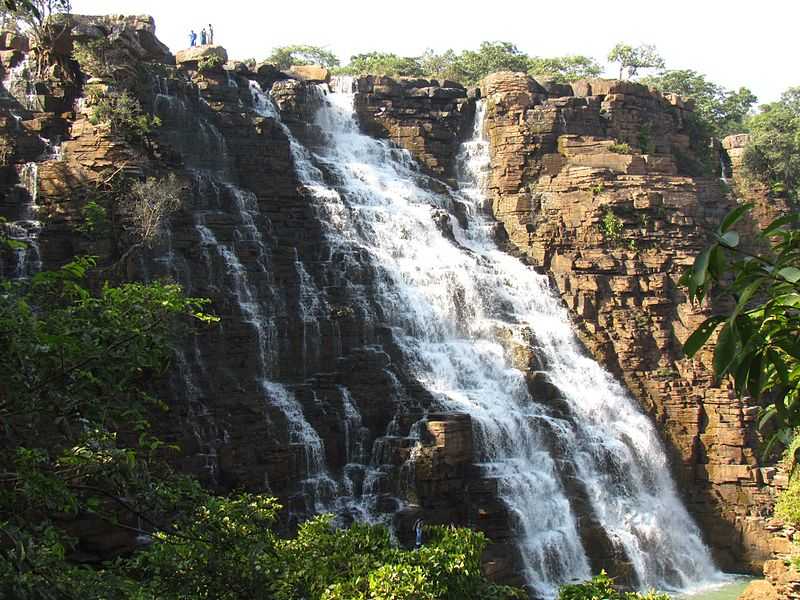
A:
426	117
615	226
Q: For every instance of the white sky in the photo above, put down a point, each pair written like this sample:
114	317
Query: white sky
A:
734	42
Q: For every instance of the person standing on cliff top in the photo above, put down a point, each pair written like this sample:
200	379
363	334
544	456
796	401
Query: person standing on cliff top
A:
192	39
210	34
203	37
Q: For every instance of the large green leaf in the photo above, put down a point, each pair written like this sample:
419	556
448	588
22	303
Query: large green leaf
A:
733	217
778	223
729	239
726	350
790	274
698	339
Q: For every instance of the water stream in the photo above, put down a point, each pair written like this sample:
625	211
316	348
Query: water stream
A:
455	303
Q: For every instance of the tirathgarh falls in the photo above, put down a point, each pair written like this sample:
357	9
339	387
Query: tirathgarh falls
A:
237	297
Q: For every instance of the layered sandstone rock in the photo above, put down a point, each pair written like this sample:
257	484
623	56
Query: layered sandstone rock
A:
310	73
191	57
426	117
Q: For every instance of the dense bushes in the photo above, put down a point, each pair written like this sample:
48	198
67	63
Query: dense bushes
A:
602	588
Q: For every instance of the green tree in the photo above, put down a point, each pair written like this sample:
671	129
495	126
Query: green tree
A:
491	57
284	57
723	110
440	66
632	59
74	402
757	345
564	69
773	154
382	63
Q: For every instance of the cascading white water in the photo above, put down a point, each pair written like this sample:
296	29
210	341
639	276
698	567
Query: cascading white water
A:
616	451
449	304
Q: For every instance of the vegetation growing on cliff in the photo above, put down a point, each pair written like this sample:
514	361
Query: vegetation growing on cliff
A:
724	111
773	154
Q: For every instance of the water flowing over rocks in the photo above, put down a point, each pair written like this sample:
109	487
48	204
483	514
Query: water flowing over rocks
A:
379	356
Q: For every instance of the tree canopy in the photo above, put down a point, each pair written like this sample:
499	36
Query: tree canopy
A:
724	110
773	153
564	69
284	57
632	59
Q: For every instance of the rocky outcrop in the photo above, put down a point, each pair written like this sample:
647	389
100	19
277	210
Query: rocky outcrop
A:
593	188
426	117
191	57
310	73
767	206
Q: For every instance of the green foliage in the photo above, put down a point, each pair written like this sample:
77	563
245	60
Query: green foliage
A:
645	140
227	550
611	227
757	345
123	112
490	58
284	57
620	148
601	587
441	66
773	154
93	58
74	401
467	67
722	110
382	63
788	505
564	69
632	59
210	63
95	220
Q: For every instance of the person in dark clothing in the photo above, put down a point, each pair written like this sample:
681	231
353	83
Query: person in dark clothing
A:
192	39
210	34
203	37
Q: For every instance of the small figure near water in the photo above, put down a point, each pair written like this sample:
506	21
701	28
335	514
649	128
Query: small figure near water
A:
192	39
210	34
203	37
418	534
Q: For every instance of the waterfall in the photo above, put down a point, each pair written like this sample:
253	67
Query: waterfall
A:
455	302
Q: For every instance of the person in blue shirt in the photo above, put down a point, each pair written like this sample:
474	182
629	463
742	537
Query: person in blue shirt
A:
192	39
418	534
203	37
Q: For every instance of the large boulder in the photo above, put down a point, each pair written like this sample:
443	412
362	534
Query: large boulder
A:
134	36
191	56
310	73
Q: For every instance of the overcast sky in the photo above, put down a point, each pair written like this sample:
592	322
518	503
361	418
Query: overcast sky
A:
734	42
